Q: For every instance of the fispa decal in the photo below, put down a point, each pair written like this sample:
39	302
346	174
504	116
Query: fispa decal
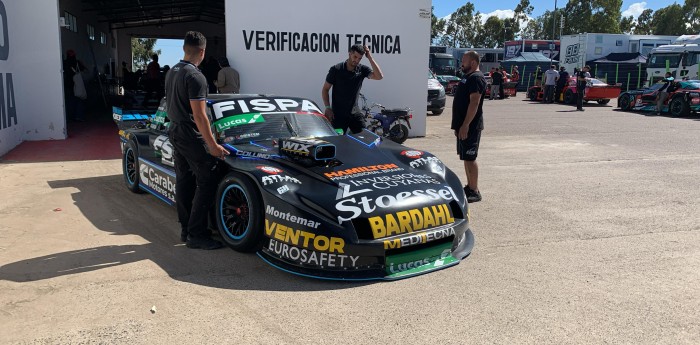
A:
245	110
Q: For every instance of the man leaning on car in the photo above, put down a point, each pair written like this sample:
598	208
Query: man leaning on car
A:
196	149
346	80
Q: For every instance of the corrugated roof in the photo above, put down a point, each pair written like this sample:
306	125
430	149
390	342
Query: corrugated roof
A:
134	13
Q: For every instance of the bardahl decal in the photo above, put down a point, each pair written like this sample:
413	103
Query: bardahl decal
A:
413	220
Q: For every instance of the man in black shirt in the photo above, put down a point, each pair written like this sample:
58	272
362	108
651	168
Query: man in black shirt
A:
496	82
468	120
581	86
196	151
346	80
561	82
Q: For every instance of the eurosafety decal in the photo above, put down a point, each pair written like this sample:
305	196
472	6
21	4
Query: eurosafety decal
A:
351	202
8	107
157	181
318	42
362	171
234	121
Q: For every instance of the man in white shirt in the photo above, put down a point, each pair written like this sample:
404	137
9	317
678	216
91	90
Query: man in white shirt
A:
550	81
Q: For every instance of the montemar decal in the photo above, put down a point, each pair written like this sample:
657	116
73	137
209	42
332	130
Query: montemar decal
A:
410	221
234	121
262	105
291	218
419	238
360	171
304	239
311	257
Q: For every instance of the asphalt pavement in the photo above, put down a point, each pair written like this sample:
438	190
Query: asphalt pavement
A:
588	233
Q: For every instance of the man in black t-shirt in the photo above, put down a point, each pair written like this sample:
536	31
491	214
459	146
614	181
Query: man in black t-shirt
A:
496	82
561	82
196	150
468	120
581	86
346	80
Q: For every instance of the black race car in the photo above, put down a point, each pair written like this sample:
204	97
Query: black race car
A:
683	98
308	200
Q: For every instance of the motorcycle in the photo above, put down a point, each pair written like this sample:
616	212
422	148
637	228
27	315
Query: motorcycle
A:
388	123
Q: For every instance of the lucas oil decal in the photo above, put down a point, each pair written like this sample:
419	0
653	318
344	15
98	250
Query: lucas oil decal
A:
233	121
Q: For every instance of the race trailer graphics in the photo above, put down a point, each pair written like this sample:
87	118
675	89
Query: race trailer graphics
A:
596	91
684	99
308	200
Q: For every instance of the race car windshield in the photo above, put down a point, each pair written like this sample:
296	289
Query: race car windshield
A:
246	128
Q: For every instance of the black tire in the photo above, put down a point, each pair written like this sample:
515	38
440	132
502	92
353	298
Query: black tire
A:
603	101
398	133
239	213
438	112
130	167
678	107
532	95
625	102
569	97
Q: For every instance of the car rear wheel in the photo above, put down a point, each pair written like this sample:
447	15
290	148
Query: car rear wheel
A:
625	102
398	132
679	107
239	214
532	95
130	168
569	97
603	101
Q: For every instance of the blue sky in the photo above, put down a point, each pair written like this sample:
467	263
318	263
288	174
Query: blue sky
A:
445	7
171	50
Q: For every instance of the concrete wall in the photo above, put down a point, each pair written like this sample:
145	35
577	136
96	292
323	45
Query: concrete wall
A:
31	102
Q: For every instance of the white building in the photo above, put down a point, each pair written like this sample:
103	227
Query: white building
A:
254	35
578	49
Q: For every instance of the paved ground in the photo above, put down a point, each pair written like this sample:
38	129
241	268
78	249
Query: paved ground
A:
589	232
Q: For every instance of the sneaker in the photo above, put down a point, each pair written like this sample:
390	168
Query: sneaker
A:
183	236
203	243
472	195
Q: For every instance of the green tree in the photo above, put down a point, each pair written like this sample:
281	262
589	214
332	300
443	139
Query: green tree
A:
521	14
644	25
669	20
603	16
627	25
142	50
491	34
463	26
541	27
437	25
691	8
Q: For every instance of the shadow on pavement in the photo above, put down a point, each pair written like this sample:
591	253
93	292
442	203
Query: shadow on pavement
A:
111	208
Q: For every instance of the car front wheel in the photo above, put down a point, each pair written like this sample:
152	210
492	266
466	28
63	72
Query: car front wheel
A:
130	168
239	214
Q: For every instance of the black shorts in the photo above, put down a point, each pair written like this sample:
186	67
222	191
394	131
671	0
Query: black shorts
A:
469	148
354	121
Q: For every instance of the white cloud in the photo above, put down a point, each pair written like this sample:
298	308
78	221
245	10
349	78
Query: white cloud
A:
635	10
501	14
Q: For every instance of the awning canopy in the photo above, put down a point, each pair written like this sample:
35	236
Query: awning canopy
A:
530	57
633	58
134	13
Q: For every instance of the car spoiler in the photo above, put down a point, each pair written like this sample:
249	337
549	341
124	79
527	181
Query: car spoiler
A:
125	118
